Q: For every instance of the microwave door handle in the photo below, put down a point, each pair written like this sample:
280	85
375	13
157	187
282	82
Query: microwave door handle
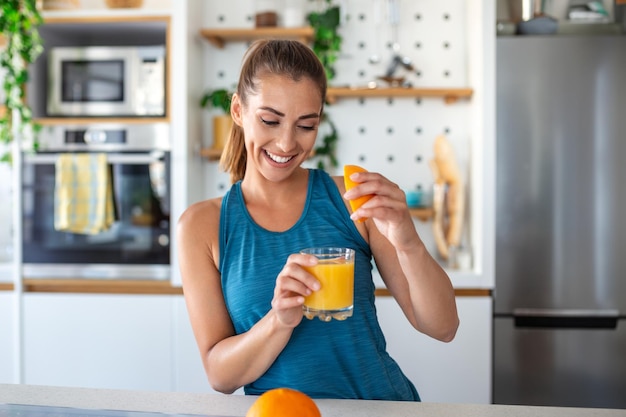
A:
113	158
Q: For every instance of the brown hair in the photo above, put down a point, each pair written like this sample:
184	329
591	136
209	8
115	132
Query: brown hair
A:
278	57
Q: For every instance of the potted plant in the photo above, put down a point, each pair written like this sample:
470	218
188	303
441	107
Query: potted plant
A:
222	124
19	20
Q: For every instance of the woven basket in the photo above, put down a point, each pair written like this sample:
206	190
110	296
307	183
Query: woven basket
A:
117	4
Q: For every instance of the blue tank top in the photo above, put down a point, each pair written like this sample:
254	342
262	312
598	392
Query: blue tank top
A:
336	359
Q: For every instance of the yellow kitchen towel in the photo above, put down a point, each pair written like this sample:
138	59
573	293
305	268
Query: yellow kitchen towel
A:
83	201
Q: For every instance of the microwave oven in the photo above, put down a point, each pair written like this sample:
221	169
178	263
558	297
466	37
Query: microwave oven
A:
106	81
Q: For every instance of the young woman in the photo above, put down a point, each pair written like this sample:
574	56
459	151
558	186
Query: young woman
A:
243	276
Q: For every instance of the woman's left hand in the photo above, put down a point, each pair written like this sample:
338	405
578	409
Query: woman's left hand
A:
387	208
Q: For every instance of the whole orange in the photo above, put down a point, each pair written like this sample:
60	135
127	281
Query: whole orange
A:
283	402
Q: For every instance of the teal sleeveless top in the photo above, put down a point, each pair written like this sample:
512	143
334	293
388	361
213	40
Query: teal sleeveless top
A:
336	359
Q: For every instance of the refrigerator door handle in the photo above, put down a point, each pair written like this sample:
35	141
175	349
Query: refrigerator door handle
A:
566	318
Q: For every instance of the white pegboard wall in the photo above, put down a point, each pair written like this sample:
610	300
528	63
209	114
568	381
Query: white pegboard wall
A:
430	33
394	135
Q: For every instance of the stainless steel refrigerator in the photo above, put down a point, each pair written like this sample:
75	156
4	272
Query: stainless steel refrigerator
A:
560	297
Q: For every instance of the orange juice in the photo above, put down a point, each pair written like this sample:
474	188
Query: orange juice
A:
335	272
337	290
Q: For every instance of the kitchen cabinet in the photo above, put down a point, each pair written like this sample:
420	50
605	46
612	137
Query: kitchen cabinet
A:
7	344
455	372
146	342
107	341
99	341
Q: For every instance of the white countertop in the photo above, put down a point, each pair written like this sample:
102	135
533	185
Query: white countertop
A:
237	405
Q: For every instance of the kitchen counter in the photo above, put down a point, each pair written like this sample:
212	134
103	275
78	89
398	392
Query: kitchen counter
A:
237	405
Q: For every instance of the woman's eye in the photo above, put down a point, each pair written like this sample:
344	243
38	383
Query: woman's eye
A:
269	122
307	127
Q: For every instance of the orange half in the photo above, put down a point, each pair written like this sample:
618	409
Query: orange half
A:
347	171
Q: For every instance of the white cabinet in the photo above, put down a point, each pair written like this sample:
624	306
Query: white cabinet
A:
455	372
6	337
98	341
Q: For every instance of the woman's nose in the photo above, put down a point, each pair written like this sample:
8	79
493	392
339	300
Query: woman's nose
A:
286	140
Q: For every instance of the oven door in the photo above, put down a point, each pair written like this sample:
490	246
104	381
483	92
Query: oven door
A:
137	246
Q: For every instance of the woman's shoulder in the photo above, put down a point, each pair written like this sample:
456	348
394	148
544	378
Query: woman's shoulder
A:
201	215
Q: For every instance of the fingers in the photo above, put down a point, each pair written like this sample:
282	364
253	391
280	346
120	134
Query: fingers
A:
294	282
388	198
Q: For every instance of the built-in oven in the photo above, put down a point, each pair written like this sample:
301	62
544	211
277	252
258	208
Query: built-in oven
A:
137	243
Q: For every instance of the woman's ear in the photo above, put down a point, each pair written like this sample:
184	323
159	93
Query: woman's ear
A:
236	109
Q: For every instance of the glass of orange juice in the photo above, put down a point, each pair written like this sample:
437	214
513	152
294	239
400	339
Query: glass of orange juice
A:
335	272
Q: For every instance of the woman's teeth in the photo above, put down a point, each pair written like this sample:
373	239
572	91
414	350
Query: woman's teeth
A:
279	159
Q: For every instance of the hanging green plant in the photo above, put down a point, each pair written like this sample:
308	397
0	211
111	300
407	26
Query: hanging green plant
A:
326	38
19	20
327	46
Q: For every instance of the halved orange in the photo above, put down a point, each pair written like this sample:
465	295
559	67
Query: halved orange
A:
283	402
347	171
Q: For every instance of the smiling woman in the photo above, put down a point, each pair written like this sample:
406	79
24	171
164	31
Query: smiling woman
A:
234	157
244	274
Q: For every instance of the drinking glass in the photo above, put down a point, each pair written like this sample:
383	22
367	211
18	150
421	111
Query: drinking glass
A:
335	272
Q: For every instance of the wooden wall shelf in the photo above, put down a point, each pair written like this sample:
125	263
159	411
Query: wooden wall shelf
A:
219	37
211	154
423	213
62	121
450	95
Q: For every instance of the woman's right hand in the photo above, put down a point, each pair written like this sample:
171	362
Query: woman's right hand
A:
292	285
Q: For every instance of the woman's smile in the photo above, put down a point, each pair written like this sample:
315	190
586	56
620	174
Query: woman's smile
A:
277	158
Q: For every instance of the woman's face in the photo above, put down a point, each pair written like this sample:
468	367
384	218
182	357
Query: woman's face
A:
280	124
